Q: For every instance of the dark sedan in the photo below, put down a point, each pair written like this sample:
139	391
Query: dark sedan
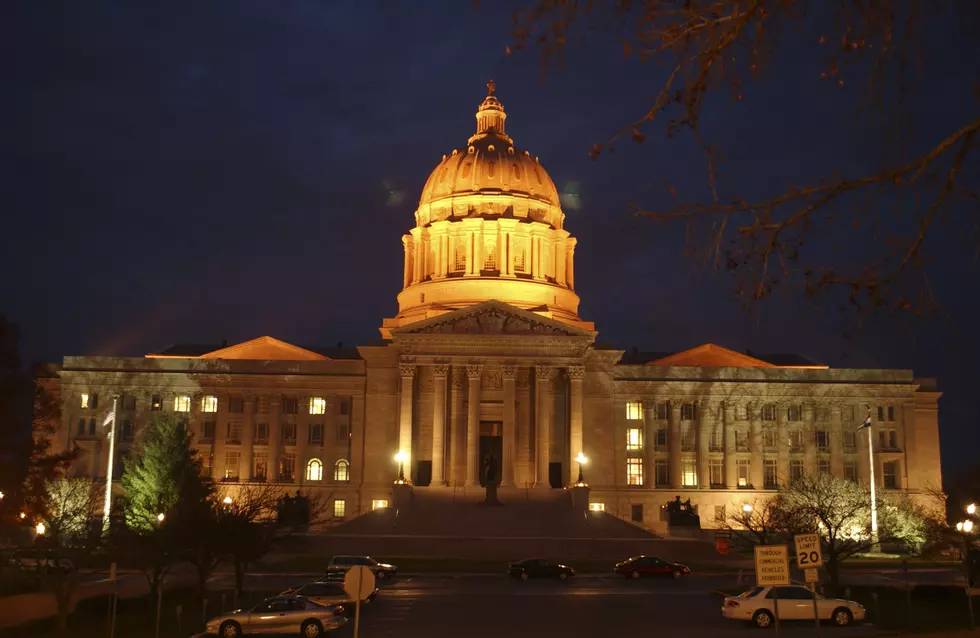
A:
640	566
539	568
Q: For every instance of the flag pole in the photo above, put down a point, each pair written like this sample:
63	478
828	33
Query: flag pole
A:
108	473
874	506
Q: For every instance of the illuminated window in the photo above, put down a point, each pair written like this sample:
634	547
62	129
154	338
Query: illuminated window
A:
459	264
689	473
379	503
634	439
341	471
314	470
490	263
597	507
689	411
742	467
231	465
634	472
209	403
85	398
634	411
156	403
318	405
339	508
287	468
793	413
182	403
260	467
769	412
519	261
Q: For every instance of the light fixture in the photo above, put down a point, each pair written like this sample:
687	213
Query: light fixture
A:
23	515
226	500
401	457
161	516
747	508
39	528
1	495
581	459
967	526
971	509
959	526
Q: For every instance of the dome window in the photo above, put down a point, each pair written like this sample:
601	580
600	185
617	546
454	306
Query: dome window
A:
510	150
454	152
491	148
470	150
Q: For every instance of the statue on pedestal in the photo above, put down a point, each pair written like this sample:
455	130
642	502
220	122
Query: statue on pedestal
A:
491	480
682	514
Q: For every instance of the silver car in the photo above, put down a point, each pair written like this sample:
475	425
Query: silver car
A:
279	615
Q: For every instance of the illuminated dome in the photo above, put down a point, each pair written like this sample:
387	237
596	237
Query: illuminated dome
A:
489	226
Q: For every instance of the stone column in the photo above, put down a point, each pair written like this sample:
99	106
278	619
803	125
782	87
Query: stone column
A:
809	441
405	392
570	263
408	277
756	469
731	467
674	444
705	428
275	437
473	374
248	439
457	425
782	445
650	426
219	440
836	443
303	439
576	380
542	424
439	371
507	476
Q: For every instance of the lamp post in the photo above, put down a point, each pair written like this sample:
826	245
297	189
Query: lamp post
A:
401	457
871	468
581	459
747	508
39	529
226	500
160	517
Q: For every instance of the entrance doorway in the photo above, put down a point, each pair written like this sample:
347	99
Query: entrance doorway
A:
554	475
491	447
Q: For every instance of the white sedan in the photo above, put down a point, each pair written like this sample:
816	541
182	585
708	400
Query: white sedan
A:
794	602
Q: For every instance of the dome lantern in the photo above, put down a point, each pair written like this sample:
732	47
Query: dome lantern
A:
490	116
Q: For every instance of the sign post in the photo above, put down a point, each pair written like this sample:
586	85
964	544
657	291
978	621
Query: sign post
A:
358	583
809	557
772	568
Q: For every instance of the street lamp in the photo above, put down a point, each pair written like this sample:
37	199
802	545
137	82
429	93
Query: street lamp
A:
401	457
160	517
581	459
226	500
747	508
971	509
39	529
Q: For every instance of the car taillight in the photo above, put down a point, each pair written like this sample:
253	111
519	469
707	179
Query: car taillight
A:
732	603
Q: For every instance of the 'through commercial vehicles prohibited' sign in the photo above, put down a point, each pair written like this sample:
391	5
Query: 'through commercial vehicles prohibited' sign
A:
771	565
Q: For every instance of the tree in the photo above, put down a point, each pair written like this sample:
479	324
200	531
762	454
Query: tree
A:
247	527
763	522
790	237
43	466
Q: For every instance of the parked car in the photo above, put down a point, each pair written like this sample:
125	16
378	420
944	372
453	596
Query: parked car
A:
640	566
279	615
382	571
539	568
40	560
793	602
327	592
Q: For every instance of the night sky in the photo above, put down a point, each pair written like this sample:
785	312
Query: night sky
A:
208	171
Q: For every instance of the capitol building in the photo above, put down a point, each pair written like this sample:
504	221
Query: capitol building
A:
487	356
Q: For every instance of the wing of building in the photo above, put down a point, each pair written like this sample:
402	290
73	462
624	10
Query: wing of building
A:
487	358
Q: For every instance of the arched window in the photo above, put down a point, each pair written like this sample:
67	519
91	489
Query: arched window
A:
341	471
314	470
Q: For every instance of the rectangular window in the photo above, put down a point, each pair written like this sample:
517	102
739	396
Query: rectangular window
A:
715	444
634	439
182	403
85	401
91	427
260	466
287	468
634	411
688	440
823	413
318	405
689	473
341	471
231	465
209	465
81	427
889	480
741	441
289	434
156	403
343	407
720	513
823	466
129	402
316	433
847	413
887	440
343	434
93	401
207	430
796	441
769	439
769	474
795	470
634	472
597	507
459	263
769	412
851	471
290	405
793	413
823	440
689	411
209	403
891	413
742	467
262	433
660	443
849	441
379	504
716	470
236	405
126	431
234	433
339	508
663	410
662	472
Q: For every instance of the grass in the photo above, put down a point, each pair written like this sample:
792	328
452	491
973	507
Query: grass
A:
136	617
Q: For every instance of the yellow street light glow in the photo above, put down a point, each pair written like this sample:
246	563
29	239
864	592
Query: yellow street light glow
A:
959	526
967	526
581	458
971	509
402	456
226	500
1	495
161	516
40	529
23	515
747	508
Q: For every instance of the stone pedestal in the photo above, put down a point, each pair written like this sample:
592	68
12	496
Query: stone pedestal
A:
401	496
580	498
491	498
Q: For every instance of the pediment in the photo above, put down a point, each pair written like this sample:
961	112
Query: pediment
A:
265	349
711	356
492	318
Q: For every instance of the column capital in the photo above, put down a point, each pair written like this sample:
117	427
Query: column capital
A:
459	376
406	370
440	370
576	373
541	372
474	370
510	372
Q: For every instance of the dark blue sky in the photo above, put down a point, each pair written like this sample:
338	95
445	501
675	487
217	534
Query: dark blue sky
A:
200	171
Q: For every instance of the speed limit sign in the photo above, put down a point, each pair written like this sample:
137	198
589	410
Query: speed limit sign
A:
808	554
